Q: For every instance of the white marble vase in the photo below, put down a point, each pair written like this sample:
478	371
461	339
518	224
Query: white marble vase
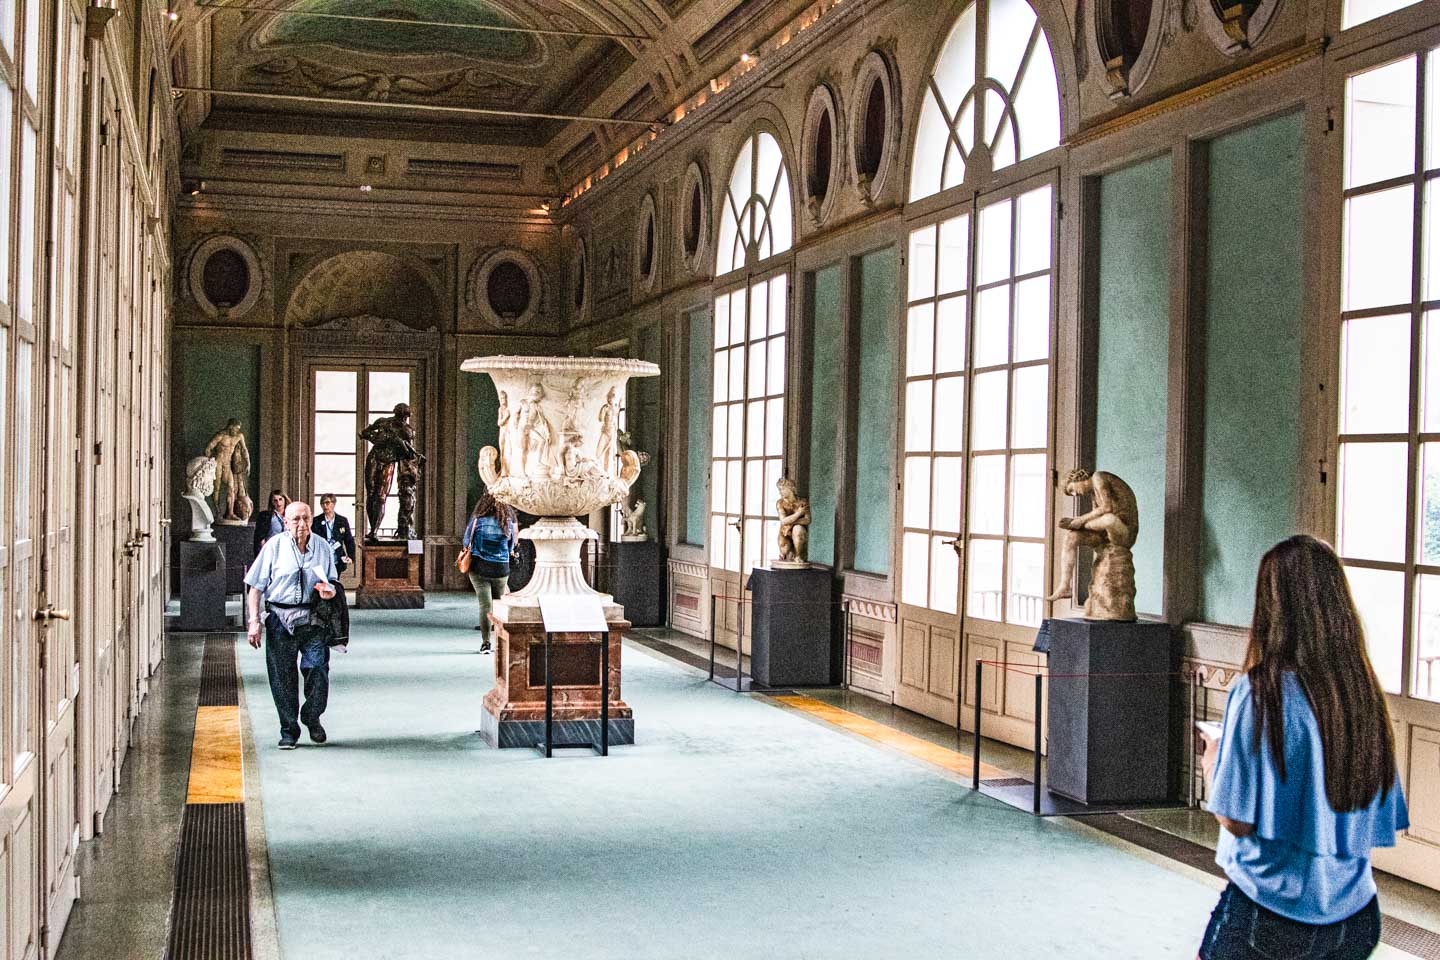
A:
558	457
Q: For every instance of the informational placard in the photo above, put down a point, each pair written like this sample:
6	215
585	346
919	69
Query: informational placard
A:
416	547
572	613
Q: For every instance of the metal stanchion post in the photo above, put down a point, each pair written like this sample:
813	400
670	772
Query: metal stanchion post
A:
1039	686
713	631
549	702
740	638
1190	767
845	605
604	694
975	760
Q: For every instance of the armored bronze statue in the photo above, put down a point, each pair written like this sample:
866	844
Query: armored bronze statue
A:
392	457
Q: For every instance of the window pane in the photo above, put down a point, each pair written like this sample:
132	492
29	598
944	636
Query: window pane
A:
772	479
1372	494
1032	319
1032	246
1380	123
931	140
732	543
1032	407
755	491
950	414
917	492
1430	260
992	327
994	258
1006	38
1359	11
738	314
1375	375
775	367
919	340
1025	600
31	40
1380	598
1430	374
775	427
1037	102
922	263
917	415
6	100
944	575
954	254
1425	681
1378	248
24	381
987	494
949	477
756	383
335	472
722	376
737	372
778	304
335	390
915	569
25	297
335	433
721	321
1027	495
736	420
717	489
950	335
1430	503
755	429
988	411
759	310
985	563
754	544
387	388
733	487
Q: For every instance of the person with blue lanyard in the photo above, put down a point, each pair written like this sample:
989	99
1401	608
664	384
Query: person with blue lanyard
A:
336	531
1302	774
291	568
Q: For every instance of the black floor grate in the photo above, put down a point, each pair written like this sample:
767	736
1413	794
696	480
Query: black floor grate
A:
218	683
210	912
1006	782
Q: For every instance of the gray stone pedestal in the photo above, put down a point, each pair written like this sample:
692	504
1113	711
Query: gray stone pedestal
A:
1109	735
239	542
792	641
634	580
202	586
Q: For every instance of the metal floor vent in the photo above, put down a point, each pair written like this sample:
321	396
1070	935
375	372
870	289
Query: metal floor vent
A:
218	682
1412	939
210	912
1006	782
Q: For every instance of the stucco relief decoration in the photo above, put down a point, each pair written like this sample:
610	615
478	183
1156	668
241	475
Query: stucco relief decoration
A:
357	283
874	125
1127	37
821	153
505	289
1235	28
225	277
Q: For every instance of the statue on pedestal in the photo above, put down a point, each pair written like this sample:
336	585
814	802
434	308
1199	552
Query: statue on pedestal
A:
232	473
634	516
1110	530
199	485
794	537
392	456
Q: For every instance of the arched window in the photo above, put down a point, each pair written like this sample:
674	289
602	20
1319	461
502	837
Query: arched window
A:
986	121
755	222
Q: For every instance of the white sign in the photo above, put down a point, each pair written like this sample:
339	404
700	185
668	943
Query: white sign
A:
415	547
573	613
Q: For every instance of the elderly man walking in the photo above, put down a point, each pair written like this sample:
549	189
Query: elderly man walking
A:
288	570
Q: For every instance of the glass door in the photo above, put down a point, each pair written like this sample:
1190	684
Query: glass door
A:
976	470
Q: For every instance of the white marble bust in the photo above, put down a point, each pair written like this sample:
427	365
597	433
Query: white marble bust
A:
199	485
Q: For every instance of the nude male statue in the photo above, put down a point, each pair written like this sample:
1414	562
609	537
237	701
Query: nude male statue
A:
533	437
1109	529
232	472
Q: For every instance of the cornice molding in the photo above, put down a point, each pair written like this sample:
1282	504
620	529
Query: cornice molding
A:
367	209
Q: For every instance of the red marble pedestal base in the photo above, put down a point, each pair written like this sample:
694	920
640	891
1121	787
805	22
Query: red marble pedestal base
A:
514	712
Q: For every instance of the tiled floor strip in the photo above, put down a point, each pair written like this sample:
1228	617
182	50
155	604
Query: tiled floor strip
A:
210	912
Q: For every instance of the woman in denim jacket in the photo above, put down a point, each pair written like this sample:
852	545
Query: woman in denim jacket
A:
491	537
1302	775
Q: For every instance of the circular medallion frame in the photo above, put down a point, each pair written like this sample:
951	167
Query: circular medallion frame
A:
822	108
645	263
477	287
195	275
694	218
874	69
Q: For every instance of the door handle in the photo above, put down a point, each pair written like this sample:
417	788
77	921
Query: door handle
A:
49	612
958	544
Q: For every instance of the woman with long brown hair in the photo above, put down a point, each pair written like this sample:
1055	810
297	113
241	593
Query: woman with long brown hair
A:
491	537
1302	775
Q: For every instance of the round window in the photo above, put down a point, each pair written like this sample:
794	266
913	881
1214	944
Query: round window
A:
225	278
508	290
874	124
877	117
694	217
647	251
694	213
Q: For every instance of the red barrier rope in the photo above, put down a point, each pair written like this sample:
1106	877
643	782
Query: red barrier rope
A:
1031	671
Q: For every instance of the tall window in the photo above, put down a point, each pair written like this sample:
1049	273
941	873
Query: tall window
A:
748	412
1388	499
346	401
993	94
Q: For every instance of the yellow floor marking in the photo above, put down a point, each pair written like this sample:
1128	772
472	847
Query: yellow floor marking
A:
944	757
216	772
1387	952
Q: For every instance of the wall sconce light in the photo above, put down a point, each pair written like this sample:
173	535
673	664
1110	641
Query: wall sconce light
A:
97	14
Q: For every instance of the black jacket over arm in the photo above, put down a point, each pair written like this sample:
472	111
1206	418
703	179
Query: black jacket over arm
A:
262	529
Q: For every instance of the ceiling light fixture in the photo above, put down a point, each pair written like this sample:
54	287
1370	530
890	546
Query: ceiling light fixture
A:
365	188
746	58
170	15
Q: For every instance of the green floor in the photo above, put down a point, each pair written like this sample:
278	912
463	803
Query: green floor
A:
732	829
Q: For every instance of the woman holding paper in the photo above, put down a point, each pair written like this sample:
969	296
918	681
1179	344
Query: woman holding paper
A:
1302	776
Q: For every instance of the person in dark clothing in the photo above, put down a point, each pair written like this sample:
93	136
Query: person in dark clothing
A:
491	537
270	521
336	531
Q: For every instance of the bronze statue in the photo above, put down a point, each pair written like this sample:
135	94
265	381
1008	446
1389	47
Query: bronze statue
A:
1109	529
232	473
392	453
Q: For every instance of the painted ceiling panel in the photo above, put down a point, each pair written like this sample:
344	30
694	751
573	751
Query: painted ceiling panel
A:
418	35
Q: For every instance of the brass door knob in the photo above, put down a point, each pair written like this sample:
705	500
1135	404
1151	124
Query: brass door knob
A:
49	612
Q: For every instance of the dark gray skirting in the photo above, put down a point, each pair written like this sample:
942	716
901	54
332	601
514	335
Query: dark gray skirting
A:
527	733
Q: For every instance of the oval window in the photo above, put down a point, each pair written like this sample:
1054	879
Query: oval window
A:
694	213
647	251
877	120
821	157
225	278
508	290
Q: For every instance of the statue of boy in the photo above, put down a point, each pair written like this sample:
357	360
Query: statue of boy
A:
1110	529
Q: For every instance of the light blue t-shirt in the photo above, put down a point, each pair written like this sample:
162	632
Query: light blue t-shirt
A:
1303	860
283	574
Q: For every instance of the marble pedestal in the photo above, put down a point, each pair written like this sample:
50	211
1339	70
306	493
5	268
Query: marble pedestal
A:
239	542
202	586
792	643
1109	736
389	578
634	580
514	711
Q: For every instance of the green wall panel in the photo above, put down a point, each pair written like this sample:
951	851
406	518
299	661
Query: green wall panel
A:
1133	353
214	382
697	419
1252	358
876	415
481	406
827	399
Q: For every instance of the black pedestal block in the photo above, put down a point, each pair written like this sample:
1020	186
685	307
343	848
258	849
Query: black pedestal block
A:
791	643
1109	736
239	542
635	581
202	586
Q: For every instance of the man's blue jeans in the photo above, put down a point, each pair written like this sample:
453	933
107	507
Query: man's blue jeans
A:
282	649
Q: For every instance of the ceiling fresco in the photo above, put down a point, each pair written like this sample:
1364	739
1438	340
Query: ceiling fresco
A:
429	55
